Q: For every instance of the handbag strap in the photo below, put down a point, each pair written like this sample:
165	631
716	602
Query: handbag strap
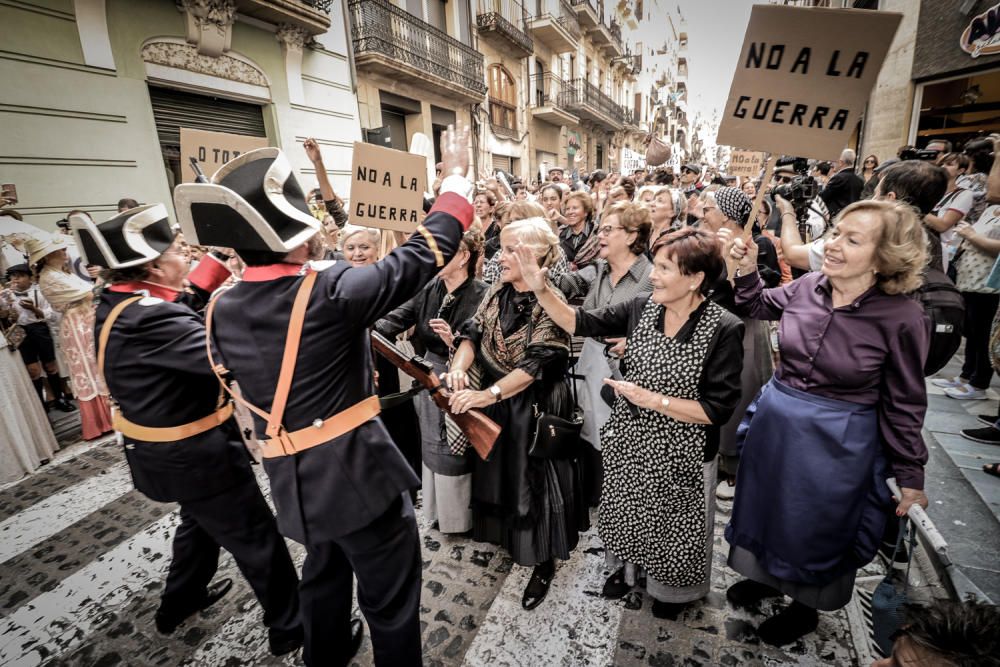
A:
566	376
900	538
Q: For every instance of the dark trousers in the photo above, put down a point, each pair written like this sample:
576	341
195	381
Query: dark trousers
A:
239	521
979	312
385	557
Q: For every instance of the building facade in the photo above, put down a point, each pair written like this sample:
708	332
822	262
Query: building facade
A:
97	91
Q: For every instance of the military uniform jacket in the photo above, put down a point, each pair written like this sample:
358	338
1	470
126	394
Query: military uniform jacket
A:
157	370
340	486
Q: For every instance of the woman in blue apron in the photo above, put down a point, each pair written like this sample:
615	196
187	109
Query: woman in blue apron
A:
843	413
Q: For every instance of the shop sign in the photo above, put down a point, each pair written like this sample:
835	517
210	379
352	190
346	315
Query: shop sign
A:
746	163
982	35
387	188
213	149
804	77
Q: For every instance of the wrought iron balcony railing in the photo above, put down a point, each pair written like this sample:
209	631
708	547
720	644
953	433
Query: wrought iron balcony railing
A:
548	90
507	18
585	94
616	31
321	5
563	14
381	28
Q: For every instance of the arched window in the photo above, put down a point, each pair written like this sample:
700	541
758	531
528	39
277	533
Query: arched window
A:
503	99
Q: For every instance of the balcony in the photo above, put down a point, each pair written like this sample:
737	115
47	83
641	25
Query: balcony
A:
504	24
588	102
312	15
550	100
615	49
556	25
629	120
392	42
586	14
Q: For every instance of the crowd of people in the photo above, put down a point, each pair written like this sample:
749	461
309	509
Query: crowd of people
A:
648	344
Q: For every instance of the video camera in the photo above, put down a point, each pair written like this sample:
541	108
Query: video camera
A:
918	154
801	191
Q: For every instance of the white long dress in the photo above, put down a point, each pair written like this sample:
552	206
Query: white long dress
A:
26	437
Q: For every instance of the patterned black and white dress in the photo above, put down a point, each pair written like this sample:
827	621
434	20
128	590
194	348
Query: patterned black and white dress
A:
657	504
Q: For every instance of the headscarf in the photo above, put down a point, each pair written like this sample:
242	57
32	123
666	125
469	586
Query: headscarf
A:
734	204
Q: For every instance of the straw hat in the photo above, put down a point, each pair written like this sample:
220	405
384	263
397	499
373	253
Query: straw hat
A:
40	247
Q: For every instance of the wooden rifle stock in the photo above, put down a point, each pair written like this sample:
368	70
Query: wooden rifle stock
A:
481	431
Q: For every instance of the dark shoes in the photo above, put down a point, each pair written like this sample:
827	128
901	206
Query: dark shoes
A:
538	586
616	587
747	594
167	622
790	624
988	435
284	642
668	610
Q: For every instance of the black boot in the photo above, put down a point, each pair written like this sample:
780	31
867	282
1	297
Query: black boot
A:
615	587
538	585
790	624
747	594
668	610
168	620
59	401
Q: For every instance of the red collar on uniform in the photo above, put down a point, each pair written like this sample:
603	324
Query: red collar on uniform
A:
255	274
159	291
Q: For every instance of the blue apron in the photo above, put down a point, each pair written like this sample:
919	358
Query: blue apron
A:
811	498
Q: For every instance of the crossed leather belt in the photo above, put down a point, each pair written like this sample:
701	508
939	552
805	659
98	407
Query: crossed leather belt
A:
282	442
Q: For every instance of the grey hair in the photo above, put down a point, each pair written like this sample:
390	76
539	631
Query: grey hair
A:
537	235
374	235
848	157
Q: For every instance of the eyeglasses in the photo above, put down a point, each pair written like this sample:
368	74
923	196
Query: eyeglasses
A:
607	229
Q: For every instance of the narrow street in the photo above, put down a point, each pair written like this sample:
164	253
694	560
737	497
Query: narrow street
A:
84	556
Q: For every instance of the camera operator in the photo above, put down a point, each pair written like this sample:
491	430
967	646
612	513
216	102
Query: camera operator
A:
916	182
844	188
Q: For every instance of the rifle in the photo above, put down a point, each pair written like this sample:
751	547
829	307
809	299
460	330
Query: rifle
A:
198	173
481	431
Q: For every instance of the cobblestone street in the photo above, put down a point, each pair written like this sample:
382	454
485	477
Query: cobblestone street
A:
84	556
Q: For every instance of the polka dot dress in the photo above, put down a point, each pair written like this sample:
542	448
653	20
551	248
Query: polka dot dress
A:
653	500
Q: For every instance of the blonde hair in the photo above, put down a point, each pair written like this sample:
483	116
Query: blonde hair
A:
537	235
522	210
644	189
901	246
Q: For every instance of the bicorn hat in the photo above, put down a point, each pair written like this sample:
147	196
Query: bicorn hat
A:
253	202
132	237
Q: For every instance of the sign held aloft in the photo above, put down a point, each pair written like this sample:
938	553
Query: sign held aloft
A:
803	78
746	164
387	188
213	149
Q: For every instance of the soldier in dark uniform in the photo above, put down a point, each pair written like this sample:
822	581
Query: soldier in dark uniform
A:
339	483
181	442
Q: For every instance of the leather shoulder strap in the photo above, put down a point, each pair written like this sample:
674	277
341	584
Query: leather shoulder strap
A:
219	369
102	342
291	354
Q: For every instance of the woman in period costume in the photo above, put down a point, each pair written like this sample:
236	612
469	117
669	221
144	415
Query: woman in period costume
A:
533	507
843	412
72	297
683	357
446	303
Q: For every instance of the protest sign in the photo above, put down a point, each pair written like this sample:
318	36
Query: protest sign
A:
803	78
387	188
632	161
213	149
746	164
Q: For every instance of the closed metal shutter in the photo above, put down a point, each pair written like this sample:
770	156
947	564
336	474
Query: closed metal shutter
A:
501	162
174	109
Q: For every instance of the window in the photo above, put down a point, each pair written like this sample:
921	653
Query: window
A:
503	100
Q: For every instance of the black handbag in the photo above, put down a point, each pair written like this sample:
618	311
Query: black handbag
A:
891	595
557	437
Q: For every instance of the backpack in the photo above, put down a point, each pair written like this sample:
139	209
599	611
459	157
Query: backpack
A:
945	308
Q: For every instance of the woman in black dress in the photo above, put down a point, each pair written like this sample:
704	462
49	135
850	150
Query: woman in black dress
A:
436	314
533	507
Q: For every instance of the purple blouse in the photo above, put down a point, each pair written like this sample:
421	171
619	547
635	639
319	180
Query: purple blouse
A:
869	352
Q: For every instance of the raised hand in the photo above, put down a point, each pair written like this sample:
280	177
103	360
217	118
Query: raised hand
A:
455	145
312	150
533	276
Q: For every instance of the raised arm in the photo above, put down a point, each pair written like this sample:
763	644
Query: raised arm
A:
561	313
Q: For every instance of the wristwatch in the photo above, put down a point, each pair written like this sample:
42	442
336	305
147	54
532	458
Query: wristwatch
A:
665	403
495	393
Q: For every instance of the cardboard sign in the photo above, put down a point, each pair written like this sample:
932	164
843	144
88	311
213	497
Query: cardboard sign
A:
387	188
803	78
213	149
632	161
746	164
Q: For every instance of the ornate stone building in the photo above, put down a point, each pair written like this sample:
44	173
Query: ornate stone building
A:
97	91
